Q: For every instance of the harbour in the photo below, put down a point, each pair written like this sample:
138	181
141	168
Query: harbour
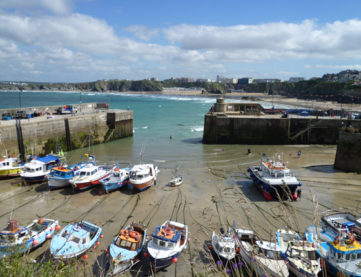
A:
216	189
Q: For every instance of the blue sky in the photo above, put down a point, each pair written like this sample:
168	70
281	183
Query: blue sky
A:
87	40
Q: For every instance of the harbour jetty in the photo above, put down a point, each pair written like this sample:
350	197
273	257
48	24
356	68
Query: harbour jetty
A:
348	154
45	129
250	123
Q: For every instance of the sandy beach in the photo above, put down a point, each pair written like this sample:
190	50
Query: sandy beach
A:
213	195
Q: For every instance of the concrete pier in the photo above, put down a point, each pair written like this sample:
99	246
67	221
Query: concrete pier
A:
46	133
237	123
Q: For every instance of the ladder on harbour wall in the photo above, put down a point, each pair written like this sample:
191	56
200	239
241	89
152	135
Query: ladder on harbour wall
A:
307	129
19	134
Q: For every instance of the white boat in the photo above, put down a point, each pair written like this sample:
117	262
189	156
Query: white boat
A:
264	257
167	243
275	180
300	254
10	167
176	181
143	176
37	169
15	239
224	247
89	176
341	254
333	222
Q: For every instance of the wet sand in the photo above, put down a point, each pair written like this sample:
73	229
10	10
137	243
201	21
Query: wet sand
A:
213	195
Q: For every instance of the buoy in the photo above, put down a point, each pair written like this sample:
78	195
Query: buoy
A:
237	250
57	227
106	250
294	196
35	242
145	254
51	229
85	256
97	243
48	236
174	260
210	247
101	236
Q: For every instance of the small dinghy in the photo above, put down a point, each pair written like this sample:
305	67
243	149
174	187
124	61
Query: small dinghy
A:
116	180
74	240
300	254
125	248
264	257
167	243
176	181
15	239
224	247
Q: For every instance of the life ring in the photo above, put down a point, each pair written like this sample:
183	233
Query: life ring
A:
336	240
133	234
125	232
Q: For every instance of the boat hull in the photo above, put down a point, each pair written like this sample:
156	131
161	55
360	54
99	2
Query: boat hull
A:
111	186
8	173
88	184
142	186
58	183
34	179
162	263
274	192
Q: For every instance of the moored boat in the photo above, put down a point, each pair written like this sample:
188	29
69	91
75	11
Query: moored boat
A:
125	249
116	180
224	247
300	254
15	239
37	169
74	240
167	243
275	180
10	167
143	176
89	176
176	181
341	254
264	257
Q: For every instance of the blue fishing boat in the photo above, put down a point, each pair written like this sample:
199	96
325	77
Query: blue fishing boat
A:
74	240
15	239
167	243
126	247
61	176
38	168
117	179
341	254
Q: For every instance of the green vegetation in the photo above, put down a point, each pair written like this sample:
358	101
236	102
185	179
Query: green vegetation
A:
313	89
24	267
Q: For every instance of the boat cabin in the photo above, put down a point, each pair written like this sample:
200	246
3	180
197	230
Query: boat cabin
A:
269	250
80	233
276	169
34	167
8	162
142	172
61	172
89	170
301	249
130	240
12	232
168	236
225	245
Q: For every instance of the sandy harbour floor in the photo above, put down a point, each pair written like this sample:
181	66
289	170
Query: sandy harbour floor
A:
213	195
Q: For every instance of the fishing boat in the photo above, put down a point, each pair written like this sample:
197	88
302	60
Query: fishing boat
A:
10	167
300	254
125	249
176	181
275	180
116	180
224	247
264	257
74	240
333	222
38	168
167	243
341	254
143	176
89	176
15	239
60	176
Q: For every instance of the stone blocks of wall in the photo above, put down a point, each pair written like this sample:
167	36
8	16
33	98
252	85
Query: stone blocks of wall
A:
348	154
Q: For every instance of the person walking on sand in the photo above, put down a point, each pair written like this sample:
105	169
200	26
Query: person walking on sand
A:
299	153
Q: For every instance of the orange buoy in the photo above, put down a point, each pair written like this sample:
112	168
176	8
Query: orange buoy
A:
35	242
101	236
145	254
174	260
48	236
106	250
85	256
97	243
57	227
210	247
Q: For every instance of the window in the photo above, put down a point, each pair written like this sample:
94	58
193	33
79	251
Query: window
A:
162	243
83	173
347	257
75	239
312	255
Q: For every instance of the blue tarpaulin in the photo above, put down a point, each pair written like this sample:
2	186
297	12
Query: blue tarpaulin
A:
48	159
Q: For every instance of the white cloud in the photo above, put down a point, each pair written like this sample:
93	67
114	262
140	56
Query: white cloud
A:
54	6
142	32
